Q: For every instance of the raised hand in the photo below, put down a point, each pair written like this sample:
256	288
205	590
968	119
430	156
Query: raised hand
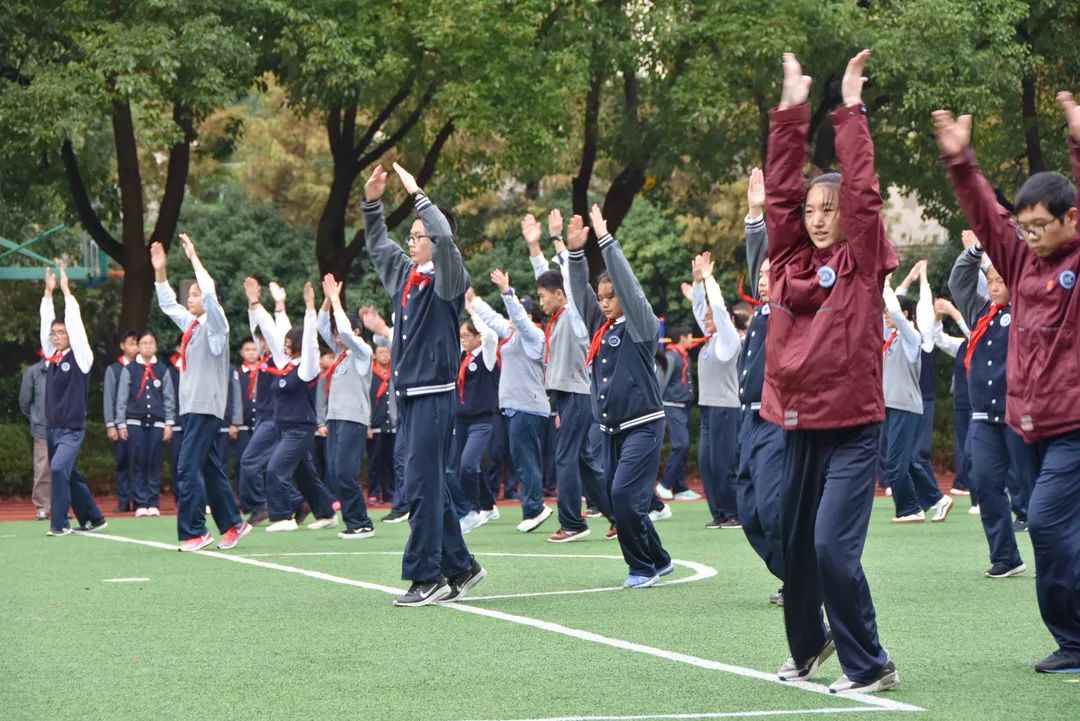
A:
309	296
968	239
796	88
373	321
1072	113
406	179
331	288
531	230
852	84
500	279
943	306
953	134
189	247
158	258
695	266
599	224
705	263
688	291
252	290
277	293
755	192
470	296
577	233
50	283
376	184
923	266
555	223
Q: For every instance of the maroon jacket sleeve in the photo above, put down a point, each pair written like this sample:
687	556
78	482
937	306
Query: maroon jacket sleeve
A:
992	224
860	194
785	185
1074	152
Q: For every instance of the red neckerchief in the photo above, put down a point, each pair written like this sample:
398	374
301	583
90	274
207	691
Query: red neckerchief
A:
175	360
498	348
977	334
328	374
54	358
466	358
744	297
888	344
685	360
122	360
594	347
278	372
417	279
252	373
698	342
384	376
148	375
184	344
549	328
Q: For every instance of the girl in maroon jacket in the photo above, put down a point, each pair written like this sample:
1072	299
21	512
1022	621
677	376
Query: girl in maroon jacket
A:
1038	256
829	257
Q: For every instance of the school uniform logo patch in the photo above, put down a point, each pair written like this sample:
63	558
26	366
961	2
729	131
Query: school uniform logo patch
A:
1067	279
1006	319
65	366
341	370
281	383
826	276
705	355
614	341
472	367
157	383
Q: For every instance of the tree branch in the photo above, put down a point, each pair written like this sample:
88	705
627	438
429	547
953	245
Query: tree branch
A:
175	180
84	207
333	130
408	124
590	141
384	115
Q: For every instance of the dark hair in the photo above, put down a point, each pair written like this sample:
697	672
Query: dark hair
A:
532	309
604	277
907	305
550	280
831	183
145	333
740	316
247	340
58	321
451	219
471	327
296	337
327	351
129	334
661	360
1051	189
678	331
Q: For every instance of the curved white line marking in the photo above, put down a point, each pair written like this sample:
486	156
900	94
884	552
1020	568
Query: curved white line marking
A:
700	571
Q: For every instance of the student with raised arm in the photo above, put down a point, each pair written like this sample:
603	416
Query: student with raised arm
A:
294	419
718	376
828	258
348	411
427	288
996	449
477	404
145	414
566	343
913	491
1038	258
68	359
625	393
522	397
761	443
677	393
204	379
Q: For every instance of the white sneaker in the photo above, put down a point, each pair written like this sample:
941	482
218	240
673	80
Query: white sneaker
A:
153	511
919	517
282	526
662	515
318	525
941	509
687	495
485	516
531	524
470	521
974	511
208	511
664	493
142	512
888	491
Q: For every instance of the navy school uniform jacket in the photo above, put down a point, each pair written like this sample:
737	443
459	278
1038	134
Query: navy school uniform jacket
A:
383	417
145	394
426	345
67	379
752	358
625	390
249	388
294	388
478	379
234	407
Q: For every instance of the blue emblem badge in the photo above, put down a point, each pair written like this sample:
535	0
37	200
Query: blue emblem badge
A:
65	366
157	383
1067	279
826	276
281	383
614	341
472	367
705	355
1006	320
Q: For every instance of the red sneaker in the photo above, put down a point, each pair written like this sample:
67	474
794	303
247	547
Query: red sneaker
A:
564	536
197	543
233	535
612	533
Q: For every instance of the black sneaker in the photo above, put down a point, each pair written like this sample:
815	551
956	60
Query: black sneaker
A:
90	526
259	515
731	523
395	517
1019	526
1004	570
461	583
791	671
357	533
1059	662
302	512
424	594
714	524
592	512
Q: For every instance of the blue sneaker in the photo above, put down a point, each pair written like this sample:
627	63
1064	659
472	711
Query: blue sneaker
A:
667	570
634	581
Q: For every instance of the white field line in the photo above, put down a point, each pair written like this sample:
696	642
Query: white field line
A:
867	699
705	715
124	580
700	570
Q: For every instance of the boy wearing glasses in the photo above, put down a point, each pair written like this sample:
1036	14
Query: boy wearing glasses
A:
1038	257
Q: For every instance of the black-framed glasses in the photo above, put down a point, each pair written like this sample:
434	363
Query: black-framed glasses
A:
414	238
1036	229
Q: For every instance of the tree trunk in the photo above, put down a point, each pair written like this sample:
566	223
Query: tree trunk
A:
1032	141
138	289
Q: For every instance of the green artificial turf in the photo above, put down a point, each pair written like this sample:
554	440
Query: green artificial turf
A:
205	638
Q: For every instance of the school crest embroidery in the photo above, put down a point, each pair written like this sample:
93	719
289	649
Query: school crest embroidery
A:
614	341
472	367
1067	279
826	276
65	366
1006	320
